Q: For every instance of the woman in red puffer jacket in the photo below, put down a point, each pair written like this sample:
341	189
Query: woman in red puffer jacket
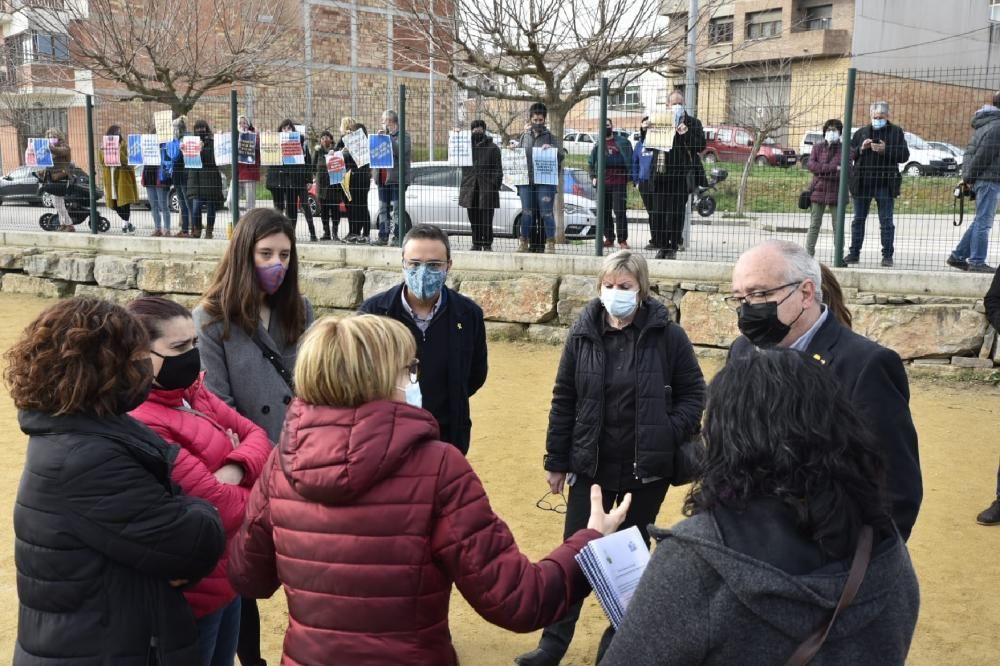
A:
221	455
367	519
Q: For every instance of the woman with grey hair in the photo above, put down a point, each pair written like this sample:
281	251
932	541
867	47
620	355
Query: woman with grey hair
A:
627	394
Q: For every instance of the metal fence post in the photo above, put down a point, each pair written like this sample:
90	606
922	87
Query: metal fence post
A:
602	159
91	157
845	169
402	225
234	180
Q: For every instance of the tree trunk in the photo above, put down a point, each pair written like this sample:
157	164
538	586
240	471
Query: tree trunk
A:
181	107
745	177
557	122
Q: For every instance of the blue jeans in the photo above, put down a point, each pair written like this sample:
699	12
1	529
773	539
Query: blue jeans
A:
159	206
180	188
540	198
217	635
388	205
976	239
883	197
196	206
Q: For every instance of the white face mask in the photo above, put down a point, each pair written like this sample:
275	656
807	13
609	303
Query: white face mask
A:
619	303
832	136
678	110
412	394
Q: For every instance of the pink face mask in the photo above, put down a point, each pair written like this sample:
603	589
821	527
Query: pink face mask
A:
53	141
271	277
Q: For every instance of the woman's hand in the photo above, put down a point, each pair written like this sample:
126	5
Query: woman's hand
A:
606	523
556	481
231	474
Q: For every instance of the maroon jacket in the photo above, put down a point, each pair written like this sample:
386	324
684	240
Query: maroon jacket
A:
824	162
366	519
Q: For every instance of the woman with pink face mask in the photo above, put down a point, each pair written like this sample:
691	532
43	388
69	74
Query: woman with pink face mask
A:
249	324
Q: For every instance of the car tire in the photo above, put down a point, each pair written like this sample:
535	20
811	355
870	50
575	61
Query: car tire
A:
49	222
913	169
709	158
762	161
47	200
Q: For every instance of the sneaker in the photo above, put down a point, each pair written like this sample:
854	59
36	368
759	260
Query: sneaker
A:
550	246
524	245
990	516
851	258
129	228
886	262
537	657
981	268
955	262
623	245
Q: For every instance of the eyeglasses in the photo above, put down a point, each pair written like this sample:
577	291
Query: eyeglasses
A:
436	266
414	369
756	297
545	505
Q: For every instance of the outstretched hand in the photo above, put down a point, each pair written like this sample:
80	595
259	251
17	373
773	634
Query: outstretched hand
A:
606	523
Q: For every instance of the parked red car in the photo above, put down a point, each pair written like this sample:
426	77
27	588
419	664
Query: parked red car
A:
729	143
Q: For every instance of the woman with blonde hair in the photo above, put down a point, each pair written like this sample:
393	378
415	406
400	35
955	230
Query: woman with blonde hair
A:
373	518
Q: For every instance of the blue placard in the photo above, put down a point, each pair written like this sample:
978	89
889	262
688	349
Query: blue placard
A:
135	150
380	147
43	155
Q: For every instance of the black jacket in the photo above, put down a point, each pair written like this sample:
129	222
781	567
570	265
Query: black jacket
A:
206	183
992	302
464	347
481	181
99	531
670	395
871	170
982	157
876	383
684	170
291	176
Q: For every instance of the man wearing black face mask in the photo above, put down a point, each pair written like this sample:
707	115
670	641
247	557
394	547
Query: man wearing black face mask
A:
616	175
777	292
480	190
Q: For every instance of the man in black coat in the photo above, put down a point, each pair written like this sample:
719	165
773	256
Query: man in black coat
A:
991	516
480	190
877	150
448	328
777	287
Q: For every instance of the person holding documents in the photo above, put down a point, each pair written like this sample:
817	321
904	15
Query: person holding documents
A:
671	146
628	393
788	536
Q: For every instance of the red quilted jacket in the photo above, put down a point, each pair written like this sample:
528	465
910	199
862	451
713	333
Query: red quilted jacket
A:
199	428
366	519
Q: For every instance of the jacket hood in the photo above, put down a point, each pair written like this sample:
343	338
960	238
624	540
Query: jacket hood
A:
985	116
797	605
333	455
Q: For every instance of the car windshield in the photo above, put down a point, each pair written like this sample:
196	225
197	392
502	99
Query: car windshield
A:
915	141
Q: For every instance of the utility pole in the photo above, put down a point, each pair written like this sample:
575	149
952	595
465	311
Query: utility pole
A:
691	79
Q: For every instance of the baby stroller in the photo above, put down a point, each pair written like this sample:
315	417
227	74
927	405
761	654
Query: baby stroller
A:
76	195
704	202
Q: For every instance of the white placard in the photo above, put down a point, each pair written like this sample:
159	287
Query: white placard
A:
357	145
515	167
151	149
546	165
223	148
460	147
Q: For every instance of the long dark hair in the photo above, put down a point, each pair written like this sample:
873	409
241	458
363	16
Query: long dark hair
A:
234	297
778	426
833	297
153	311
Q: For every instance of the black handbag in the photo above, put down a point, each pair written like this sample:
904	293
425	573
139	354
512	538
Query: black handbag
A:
805	197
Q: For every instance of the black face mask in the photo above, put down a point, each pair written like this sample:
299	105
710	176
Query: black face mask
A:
538	128
478	137
607	132
179	372
132	396
760	324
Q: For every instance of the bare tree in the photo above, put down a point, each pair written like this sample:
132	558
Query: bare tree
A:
174	52
553	51
503	116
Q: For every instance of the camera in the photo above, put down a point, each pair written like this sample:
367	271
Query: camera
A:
963	189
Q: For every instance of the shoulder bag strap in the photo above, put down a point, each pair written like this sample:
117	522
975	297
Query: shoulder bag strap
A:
275	361
862	556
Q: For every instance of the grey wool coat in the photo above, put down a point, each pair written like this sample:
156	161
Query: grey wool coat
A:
700	602
236	370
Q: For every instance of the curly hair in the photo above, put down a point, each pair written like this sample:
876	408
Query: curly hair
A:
778	426
79	356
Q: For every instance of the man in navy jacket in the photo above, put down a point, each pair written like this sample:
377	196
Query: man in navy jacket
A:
448	328
778	289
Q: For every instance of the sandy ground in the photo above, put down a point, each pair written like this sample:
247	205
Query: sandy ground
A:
955	558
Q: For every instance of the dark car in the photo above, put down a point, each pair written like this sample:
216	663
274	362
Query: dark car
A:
21	185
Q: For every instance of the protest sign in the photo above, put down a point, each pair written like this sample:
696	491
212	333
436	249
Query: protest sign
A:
110	150
43	152
515	167
150	149
248	148
223	148
659	137
546	164
29	154
164	122
460	148
291	148
270	149
357	145
135	150
380	151
191	149
335	167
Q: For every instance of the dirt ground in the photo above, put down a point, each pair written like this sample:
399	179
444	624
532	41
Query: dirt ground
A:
956	559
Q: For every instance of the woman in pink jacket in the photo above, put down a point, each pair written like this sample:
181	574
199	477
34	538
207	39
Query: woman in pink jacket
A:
221	455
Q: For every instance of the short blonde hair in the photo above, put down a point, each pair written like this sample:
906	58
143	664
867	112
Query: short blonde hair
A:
625	261
54	133
349	362
347	124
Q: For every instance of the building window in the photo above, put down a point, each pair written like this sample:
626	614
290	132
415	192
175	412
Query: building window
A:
995	10
819	17
29	47
720	30
625	100
764	25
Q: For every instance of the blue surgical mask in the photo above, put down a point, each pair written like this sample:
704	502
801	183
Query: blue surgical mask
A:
678	110
878	123
424	283
412	394
619	303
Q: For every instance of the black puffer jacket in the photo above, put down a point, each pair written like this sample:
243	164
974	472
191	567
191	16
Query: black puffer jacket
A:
668	408
99	533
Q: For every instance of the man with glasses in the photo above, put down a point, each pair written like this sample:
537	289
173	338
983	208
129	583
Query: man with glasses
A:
448	328
778	296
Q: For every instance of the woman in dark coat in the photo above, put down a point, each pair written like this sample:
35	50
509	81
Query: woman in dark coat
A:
327	195
288	183
628	393
480	190
204	185
104	542
824	162
358	217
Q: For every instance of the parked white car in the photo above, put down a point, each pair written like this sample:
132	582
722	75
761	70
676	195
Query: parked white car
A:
956	152
926	158
581	143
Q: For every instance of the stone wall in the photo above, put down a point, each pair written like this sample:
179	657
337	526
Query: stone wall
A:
930	319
